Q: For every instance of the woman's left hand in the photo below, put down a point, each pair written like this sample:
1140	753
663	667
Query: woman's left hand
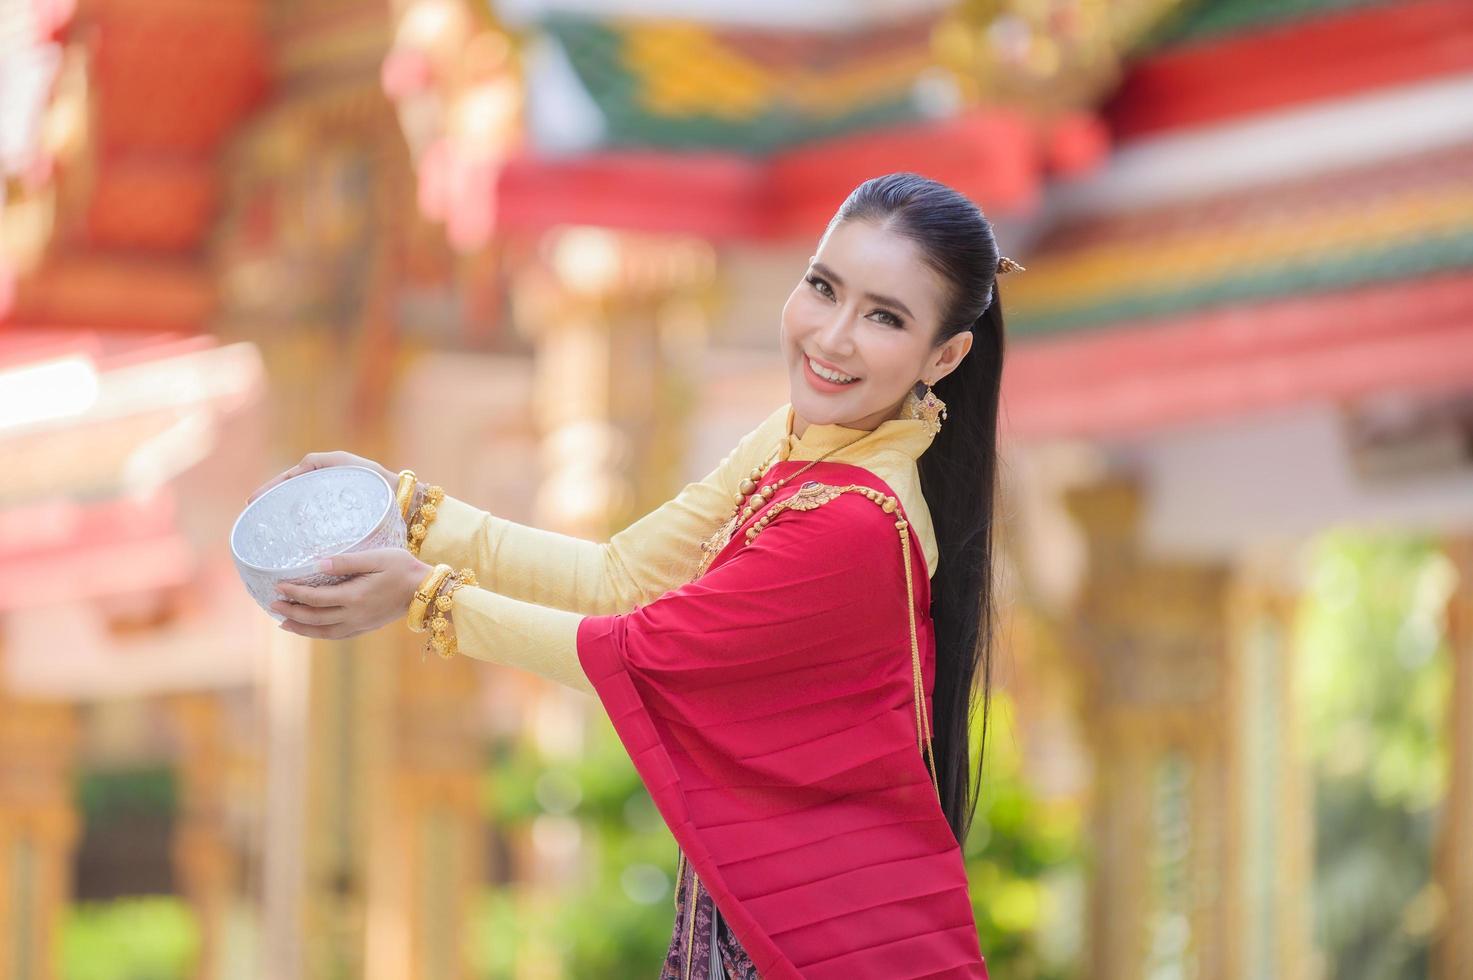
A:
383	583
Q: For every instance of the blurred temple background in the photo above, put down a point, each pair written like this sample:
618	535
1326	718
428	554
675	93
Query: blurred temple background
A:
536	250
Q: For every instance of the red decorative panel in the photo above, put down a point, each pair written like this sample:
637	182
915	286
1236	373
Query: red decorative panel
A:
174	75
996	158
101	291
1319	58
98	568
708	193
169	80
151	204
1411	334
53	527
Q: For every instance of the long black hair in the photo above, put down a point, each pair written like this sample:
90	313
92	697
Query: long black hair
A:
958	471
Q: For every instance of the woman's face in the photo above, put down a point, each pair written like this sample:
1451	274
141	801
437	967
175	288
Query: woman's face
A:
866	309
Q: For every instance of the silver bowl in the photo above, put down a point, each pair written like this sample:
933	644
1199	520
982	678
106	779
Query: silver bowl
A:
281	535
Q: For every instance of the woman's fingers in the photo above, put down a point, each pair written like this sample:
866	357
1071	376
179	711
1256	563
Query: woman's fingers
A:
334	632
360	562
364	602
311	615
331	631
320	596
317	461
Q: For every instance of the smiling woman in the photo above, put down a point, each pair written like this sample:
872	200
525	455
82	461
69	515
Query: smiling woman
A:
791	649
859	329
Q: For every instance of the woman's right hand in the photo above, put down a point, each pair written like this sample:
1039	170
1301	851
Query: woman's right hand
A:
319	461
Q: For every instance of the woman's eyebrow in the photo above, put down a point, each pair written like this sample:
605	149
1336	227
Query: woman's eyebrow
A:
828	273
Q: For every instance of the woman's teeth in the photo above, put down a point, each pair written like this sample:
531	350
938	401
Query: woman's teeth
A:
828	375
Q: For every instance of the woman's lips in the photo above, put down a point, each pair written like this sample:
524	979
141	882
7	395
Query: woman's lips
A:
823	384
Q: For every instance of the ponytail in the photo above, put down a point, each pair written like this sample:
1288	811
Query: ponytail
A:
959	480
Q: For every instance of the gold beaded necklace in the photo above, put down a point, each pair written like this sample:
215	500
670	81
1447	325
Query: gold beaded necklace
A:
754	497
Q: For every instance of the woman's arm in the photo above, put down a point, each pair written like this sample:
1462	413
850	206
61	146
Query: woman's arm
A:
810	579
648	558
508	631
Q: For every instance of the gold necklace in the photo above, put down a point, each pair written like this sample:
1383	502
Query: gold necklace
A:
754	497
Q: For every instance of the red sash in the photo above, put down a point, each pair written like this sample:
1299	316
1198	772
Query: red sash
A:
768	708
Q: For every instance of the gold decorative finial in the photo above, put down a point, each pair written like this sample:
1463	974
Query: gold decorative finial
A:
1005	264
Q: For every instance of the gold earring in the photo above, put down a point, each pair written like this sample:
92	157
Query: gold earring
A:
928	408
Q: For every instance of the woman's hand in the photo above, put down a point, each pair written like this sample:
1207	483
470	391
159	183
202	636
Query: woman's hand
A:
318	461
383	583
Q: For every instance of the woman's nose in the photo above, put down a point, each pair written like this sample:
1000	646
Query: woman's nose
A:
834	337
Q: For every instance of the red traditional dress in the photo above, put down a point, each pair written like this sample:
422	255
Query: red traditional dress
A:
775	703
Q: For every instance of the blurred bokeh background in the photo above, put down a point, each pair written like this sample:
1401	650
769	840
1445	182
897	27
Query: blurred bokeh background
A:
536	250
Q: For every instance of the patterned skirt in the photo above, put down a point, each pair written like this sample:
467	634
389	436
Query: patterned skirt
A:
702	946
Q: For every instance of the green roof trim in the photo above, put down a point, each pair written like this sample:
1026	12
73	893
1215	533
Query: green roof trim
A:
594	48
1328	271
767	133
1215	19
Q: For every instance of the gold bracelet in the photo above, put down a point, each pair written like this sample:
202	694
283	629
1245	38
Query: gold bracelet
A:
405	493
442	637
419	605
419	524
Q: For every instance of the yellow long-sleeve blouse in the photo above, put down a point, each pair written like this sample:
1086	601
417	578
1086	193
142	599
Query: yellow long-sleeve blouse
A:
536	586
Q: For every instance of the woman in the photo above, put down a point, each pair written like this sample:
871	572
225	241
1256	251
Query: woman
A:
788	648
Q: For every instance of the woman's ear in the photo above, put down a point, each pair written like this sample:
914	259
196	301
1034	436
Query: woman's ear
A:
946	357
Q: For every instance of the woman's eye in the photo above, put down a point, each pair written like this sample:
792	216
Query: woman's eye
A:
888	317
821	285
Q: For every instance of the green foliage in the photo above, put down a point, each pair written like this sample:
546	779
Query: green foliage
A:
1023	863
617	920
1374	676
152	938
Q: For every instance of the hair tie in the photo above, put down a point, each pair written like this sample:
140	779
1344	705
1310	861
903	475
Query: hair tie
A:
1005	264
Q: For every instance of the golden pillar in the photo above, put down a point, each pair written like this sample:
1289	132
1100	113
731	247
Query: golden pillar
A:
1152	643
617	319
1454	871
427	867
1269	867
427	858
329	753
203	856
39	826
349	754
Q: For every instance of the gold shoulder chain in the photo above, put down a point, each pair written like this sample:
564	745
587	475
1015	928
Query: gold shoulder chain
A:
814	494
